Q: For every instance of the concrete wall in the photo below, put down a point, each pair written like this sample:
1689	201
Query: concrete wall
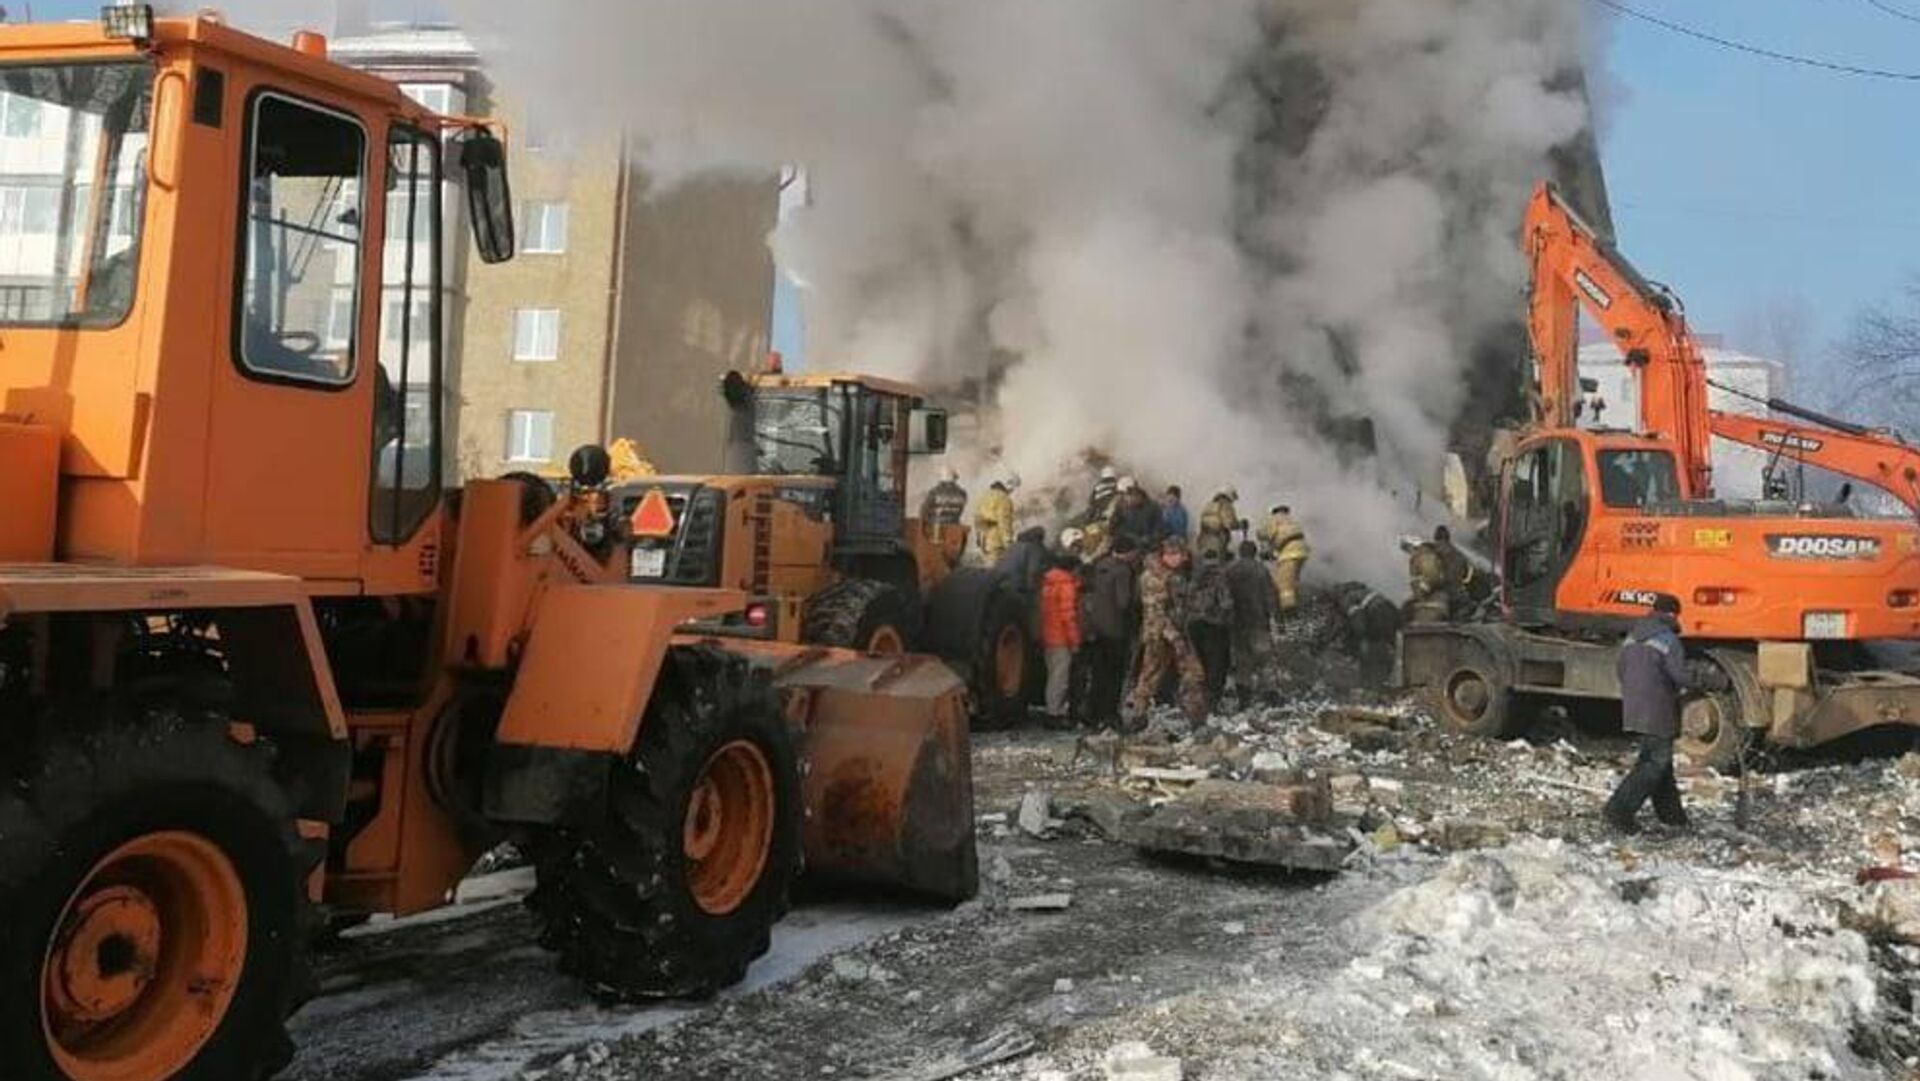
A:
697	300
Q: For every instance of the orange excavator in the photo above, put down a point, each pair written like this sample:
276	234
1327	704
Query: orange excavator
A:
1787	599
233	707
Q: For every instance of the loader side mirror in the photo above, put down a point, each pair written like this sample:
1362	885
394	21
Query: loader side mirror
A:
483	160
929	432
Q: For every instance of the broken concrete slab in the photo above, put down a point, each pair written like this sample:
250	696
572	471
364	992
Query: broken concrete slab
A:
1041	902
1109	810
1308	802
1250	836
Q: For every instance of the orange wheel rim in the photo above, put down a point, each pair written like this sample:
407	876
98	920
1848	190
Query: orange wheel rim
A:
728	830
145	960
1010	660
887	642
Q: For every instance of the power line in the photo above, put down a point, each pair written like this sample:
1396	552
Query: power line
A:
1756	50
1882	5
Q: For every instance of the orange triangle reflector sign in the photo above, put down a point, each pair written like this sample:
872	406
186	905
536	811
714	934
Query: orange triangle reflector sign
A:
653	518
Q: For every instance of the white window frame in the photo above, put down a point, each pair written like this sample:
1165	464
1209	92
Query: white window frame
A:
522	427
420	93
534	318
542	241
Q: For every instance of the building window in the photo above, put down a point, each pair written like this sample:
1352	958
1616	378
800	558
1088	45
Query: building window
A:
529	435
20	116
435	96
545	226
536	334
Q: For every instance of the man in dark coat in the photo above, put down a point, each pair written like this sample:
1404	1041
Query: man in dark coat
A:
1137	518
1021	567
1653	674
1210	623
1110	615
1256	605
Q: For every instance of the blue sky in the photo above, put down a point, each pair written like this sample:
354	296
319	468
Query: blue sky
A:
1744	182
1747	184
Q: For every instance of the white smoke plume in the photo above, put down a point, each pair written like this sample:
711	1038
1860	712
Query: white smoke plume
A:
1183	233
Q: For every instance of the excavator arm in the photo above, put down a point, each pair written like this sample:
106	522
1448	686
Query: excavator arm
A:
1574	268
1863	454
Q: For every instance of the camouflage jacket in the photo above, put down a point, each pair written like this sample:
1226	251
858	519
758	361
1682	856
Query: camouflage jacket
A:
1165	601
1210	598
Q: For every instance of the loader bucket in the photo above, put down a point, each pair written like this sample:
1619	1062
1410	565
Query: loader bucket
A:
888	774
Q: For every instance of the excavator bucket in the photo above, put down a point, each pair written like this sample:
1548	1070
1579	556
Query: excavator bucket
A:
888	775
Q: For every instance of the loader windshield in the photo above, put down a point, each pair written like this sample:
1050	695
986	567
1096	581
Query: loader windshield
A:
799	432
73	167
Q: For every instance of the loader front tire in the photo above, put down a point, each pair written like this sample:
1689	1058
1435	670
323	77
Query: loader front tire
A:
152	907
977	625
676	890
862	614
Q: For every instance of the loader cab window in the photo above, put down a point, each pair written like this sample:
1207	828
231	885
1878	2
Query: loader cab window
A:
73	169
800	432
300	242
1634	479
406	408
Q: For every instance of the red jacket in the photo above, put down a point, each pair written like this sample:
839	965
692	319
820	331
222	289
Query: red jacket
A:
1060	610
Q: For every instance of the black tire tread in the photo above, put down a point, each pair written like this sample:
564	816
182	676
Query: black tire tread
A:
610	896
90	771
846	614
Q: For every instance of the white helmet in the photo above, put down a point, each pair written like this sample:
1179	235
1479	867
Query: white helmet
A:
1109	473
1012	481
949	475
1230	492
1410	541
1128	484
1071	539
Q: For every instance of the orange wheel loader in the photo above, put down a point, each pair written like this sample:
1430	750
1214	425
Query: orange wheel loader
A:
231	706
812	523
1790	600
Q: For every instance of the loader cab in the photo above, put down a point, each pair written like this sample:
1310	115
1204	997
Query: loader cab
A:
858	431
1556	487
221	283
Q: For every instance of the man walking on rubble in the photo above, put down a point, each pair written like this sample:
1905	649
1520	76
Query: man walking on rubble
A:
1286	544
1654	672
1256	605
945	503
1111	604
1164	613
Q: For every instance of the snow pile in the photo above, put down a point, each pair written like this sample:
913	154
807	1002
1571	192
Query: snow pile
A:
1539	961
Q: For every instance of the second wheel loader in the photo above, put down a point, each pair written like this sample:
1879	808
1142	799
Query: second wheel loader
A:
812	524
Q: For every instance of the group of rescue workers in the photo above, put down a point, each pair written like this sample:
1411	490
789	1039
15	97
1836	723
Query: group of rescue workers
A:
1136	602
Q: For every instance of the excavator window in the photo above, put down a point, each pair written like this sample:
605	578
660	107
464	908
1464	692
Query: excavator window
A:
300	257
73	150
1635	479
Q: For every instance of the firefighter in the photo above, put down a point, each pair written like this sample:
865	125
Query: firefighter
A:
1460	572
1217	523
1163	635
1286	544
1432	591
1105	489
993	519
945	503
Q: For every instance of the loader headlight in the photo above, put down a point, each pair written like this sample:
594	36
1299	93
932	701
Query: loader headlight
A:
133	22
